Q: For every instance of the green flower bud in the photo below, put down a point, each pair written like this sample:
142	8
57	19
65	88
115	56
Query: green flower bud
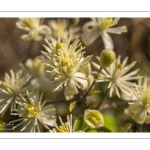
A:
93	118
107	57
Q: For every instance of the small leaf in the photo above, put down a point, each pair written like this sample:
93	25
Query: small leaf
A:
104	129
72	105
93	92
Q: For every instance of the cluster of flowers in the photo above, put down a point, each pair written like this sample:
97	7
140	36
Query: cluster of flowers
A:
63	65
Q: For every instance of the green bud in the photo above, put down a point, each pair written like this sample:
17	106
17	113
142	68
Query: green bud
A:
107	57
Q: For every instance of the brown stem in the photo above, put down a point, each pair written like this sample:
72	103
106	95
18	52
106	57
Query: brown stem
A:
114	105
92	83
64	101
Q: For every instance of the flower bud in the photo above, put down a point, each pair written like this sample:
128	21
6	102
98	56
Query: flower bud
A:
107	56
93	118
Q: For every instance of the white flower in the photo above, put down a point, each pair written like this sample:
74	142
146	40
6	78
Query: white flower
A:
139	109
65	62
68	126
93	118
36	69
118	76
32	113
34	28
62	27
11	88
101	27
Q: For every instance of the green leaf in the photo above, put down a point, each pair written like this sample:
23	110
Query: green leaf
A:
105	129
81	124
110	122
91	130
72	105
93	92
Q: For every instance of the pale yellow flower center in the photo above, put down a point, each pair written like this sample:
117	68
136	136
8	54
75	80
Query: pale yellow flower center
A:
66	63
94	118
119	66
59	46
64	128
31	111
105	23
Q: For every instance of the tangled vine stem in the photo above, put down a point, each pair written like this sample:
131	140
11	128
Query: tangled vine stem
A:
83	97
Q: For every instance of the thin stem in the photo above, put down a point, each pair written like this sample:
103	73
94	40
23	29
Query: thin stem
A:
92	83
100	103
83	100
113	105
84	104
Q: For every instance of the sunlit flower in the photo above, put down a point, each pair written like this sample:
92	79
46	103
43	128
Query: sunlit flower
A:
93	118
62	27
32	113
68	126
65	62
139	109
101	27
118	76
11	88
34	28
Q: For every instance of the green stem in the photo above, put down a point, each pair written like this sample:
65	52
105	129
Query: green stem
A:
100	103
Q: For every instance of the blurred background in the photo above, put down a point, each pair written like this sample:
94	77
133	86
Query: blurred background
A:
135	44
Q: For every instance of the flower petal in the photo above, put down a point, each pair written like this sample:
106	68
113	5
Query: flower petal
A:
90	36
70	88
108	43
81	78
117	30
